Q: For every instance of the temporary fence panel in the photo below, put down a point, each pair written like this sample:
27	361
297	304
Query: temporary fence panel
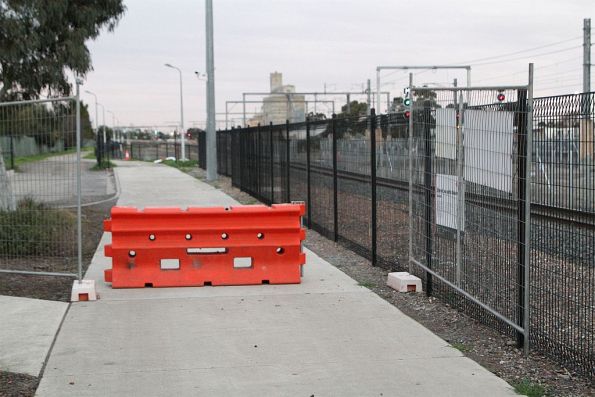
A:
40	194
171	247
468	207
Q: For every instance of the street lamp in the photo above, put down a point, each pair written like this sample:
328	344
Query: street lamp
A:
182	133
96	117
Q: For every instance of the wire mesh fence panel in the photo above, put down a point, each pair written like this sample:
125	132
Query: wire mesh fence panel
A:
392	166
280	166
563	230
353	184
298	162
38	197
321	178
469	202
224	142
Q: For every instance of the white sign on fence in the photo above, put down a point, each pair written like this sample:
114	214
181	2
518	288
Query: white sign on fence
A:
446	133
446	202
488	139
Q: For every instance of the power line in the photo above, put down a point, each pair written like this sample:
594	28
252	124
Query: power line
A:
524	71
529	56
521	51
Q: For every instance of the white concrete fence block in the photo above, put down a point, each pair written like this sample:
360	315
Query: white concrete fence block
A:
404	282
83	291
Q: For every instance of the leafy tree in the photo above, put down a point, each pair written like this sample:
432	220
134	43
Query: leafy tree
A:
316	116
355	109
41	40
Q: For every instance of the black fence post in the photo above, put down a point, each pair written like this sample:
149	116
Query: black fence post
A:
272	163
288	184
242	151
258	157
335	198
521	243
176	146
308	185
428	192
373	180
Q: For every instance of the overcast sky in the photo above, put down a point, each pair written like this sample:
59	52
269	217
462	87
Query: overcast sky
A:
313	42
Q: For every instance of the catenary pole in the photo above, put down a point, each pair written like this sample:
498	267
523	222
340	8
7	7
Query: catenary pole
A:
211	138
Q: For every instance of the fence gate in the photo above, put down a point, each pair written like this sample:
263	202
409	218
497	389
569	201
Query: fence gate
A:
40	187
469	189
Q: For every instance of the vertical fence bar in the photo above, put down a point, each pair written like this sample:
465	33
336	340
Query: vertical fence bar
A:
522	203
308	185
460	182
335	198
410	144
79	232
288	184
373	181
272	162
527	214
428	193
258	157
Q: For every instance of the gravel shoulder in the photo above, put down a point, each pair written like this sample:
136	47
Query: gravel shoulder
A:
484	345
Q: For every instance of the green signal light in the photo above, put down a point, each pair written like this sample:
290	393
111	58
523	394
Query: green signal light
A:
407	102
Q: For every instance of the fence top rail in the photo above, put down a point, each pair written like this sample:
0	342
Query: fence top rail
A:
477	88
31	101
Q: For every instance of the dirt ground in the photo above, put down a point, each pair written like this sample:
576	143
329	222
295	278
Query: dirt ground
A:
17	385
492	350
56	288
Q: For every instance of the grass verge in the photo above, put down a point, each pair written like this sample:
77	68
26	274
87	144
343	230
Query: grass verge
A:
18	161
104	165
184	166
35	229
527	388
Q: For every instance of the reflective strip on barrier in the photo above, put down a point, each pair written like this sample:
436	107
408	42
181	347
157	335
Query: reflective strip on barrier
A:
173	247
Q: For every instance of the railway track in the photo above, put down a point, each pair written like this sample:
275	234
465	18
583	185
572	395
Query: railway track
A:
542	211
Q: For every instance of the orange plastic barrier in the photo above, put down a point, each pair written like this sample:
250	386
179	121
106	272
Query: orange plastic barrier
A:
171	247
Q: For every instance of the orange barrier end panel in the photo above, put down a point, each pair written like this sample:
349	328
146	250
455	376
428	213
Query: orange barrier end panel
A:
172	247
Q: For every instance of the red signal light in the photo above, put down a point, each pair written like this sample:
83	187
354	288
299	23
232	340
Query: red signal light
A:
501	97
407	114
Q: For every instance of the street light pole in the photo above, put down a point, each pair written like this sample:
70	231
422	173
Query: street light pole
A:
182	133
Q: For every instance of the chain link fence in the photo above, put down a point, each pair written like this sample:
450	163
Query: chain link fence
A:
474	171
40	187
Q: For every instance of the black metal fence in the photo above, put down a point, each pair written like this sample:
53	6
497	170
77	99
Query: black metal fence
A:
155	150
356	187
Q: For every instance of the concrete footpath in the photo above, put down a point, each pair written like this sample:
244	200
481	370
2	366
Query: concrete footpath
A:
325	337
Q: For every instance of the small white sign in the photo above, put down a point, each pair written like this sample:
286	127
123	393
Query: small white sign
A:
446	133
488	148
446	202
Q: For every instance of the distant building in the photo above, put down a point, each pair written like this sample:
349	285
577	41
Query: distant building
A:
283	104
